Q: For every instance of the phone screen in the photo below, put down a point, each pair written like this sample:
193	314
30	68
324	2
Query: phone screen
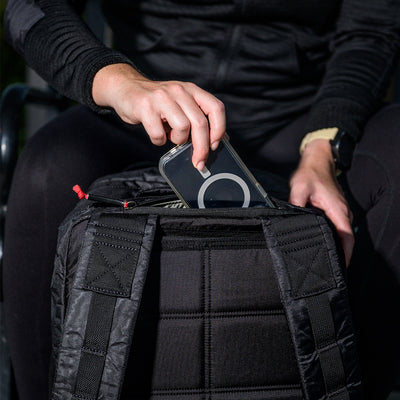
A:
224	182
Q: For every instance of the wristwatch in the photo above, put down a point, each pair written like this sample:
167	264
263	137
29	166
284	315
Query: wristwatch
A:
342	146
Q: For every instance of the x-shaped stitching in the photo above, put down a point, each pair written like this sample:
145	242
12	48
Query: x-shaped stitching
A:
111	267
309	271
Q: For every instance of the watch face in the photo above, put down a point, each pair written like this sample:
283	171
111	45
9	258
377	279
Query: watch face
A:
342	150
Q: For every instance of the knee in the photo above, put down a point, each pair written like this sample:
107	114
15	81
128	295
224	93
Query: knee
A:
50	164
42	157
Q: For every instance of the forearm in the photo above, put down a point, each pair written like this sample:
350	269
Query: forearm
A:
364	50
60	47
354	85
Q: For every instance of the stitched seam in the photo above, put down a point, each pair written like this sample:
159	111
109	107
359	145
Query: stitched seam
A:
309	271
118	229
80	396
328	347
301	229
107	235
219	314
115	246
283	243
316	244
343	389
217	246
110	269
93	351
107	291
325	243
226	389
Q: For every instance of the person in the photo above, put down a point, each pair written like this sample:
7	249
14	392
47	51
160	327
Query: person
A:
276	76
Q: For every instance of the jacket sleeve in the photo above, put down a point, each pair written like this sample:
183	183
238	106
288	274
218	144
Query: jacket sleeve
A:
58	45
364	51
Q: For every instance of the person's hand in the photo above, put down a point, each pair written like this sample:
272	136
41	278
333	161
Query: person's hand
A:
314	182
171	108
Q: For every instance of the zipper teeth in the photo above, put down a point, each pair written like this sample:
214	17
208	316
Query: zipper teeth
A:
226	56
170	204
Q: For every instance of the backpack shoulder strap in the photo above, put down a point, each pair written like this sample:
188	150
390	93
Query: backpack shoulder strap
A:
314	295
103	306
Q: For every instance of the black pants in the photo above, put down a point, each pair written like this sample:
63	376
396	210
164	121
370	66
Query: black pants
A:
79	146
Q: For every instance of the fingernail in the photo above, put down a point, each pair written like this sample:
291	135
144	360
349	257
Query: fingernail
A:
214	145
200	165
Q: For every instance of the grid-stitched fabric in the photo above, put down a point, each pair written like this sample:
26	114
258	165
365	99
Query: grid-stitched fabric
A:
211	324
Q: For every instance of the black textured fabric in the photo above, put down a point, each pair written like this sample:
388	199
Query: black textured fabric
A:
69	55
317	340
114	256
303	248
19	18
99	305
326	345
79	146
283	57
320	314
216	319
94	349
89	376
99	323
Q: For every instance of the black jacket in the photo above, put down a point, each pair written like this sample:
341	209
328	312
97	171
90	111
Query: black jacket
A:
268	60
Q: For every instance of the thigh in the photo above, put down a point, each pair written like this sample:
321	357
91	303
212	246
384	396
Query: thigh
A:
372	187
75	148
373	184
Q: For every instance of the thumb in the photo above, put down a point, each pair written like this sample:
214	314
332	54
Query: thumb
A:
299	195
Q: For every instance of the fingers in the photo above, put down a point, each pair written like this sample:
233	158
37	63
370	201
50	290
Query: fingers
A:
157	110
199	129
299	195
215	111
341	217
183	107
320	189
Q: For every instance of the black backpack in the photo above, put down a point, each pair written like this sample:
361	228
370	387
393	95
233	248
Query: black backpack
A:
152	301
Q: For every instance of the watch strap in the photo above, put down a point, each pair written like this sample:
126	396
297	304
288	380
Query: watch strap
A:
326	133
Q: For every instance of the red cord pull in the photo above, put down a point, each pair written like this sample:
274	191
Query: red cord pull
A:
81	194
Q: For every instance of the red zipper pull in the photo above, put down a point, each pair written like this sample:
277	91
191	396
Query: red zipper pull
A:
81	194
102	199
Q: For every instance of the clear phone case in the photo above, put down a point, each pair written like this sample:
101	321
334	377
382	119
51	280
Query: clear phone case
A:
224	182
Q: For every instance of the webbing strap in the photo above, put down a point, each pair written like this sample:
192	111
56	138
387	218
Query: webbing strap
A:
103	307
326	346
95	344
306	279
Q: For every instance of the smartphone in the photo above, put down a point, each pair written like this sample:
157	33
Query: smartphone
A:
224	182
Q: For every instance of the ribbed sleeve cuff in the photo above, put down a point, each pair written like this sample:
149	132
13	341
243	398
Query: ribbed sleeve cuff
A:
345	115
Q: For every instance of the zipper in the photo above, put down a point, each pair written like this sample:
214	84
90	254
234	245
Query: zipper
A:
152	198
226	56
142	199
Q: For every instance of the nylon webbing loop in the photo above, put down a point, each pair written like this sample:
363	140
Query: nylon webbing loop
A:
304	271
323	328
95	345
